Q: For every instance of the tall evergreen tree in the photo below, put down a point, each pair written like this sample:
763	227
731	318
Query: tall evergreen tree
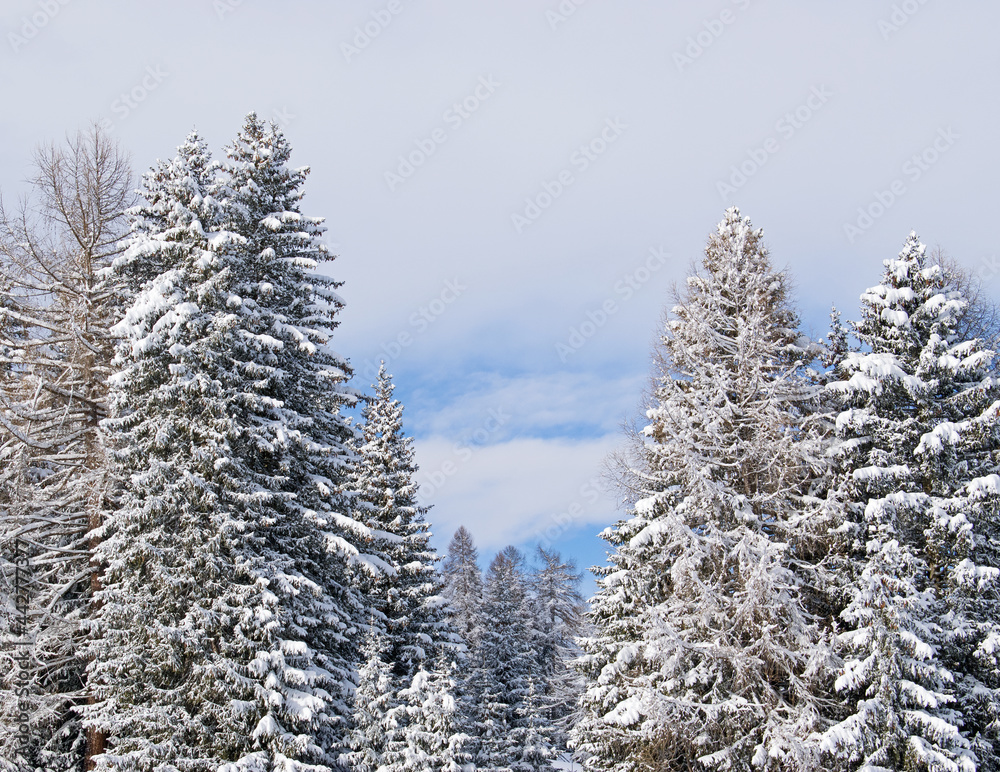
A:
291	312
430	735
918	452
558	619
374	700
231	540
403	588
463	587
168	552
407	591
536	735
706	651
507	711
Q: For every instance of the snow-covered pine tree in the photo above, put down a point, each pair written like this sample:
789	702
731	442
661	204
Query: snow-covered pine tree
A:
290	310
230	540
408	592
706	654
168	549
463	587
837	345
374	699
430	735
190	178
536	734
55	352
503	668
969	464
558	611
404	587
918	452
463	593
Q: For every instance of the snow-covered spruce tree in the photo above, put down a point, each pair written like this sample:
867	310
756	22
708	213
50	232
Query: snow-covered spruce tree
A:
502	679
302	381
974	603
430	734
190	178
404	589
408	591
558	611
463	587
168	550
536	734
463	592
836	345
918	449
226	425
706	653
374	699
55	352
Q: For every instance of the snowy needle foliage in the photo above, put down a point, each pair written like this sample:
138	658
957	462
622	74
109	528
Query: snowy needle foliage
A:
225	628
227	574
706	651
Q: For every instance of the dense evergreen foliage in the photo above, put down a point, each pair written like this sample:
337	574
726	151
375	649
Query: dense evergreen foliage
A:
230	572
917	449
706	647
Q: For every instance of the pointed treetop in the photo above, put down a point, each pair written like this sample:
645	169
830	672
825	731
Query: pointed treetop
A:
836	343
735	236
383	382
913	299
260	142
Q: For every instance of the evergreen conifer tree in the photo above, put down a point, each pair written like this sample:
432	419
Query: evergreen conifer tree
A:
558	619
463	587
290	310
402	586
407	591
706	649
231	540
431	736
374	698
917	450
506	708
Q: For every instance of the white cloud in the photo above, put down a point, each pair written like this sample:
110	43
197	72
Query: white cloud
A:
516	490
539	405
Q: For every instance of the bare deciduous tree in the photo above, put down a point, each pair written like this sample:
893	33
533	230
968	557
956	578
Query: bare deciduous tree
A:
59	300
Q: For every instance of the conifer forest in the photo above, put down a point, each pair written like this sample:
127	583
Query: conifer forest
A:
591	388
222	571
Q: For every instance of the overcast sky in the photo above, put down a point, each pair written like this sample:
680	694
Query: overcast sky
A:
512	187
